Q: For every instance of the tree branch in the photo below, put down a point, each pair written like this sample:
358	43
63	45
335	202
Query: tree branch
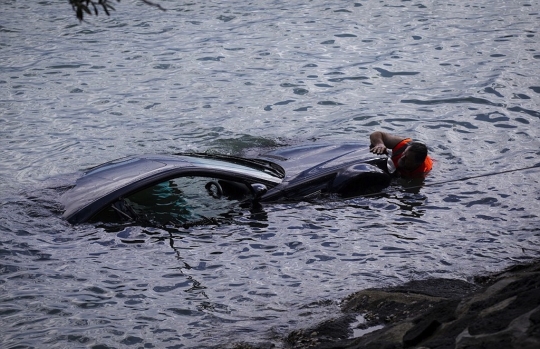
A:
153	4
82	7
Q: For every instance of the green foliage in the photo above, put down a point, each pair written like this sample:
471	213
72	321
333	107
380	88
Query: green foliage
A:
89	7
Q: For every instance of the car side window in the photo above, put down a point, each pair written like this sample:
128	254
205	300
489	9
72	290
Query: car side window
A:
180	200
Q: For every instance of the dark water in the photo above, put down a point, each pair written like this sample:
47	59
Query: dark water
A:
236	77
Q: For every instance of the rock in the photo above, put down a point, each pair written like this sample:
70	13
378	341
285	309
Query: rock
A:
497	311
326	331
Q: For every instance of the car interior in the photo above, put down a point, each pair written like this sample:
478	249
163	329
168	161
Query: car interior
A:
179	200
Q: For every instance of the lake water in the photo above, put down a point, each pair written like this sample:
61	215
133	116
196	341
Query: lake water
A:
239	77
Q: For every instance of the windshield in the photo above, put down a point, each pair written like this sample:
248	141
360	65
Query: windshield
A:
179	201
109	182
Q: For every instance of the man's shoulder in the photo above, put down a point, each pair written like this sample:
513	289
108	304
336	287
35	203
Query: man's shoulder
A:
402	143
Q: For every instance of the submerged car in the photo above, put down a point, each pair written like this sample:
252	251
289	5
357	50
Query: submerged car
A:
188	186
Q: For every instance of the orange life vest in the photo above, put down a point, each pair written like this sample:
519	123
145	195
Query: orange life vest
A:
397	152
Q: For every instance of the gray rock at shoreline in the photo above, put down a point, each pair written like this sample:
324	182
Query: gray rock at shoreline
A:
497	311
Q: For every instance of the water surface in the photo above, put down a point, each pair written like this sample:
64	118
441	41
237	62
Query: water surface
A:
239	78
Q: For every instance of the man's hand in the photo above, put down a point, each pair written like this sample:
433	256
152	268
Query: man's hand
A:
379	149
380	142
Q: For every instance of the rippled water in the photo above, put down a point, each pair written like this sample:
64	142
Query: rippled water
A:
238	77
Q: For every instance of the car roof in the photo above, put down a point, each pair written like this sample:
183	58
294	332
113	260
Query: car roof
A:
304	160
104	184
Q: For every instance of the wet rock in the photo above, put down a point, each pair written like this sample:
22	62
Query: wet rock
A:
326	331
497	311
426	326
263	345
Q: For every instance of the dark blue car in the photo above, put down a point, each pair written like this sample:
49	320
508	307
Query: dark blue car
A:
185	187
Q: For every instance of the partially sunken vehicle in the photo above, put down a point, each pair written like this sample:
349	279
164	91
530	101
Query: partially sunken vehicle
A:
189	186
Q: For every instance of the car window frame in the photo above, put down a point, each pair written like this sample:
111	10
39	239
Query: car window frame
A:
88	211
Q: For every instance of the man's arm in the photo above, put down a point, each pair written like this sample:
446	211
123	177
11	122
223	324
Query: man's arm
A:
381	141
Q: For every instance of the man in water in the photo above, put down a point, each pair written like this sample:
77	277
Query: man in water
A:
408	158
